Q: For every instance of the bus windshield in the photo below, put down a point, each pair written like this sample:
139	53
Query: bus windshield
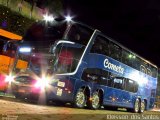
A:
40	37
79	34
65	58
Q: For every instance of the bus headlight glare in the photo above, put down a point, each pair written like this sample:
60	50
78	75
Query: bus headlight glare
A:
41	83
9	78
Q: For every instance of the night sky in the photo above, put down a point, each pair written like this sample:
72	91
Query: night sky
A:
133	23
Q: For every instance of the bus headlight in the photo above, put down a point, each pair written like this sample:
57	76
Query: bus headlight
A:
41	83
9	78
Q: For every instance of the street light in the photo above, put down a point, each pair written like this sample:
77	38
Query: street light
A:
68	18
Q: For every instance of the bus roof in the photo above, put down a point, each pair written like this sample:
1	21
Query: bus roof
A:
10	35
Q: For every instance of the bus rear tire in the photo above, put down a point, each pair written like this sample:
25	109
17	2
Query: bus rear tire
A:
80	98
95	103
142	107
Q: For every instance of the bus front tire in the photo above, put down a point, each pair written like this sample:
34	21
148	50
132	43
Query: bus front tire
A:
80	98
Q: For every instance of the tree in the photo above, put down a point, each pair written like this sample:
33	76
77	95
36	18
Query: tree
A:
7	2
53	6
32	3
20	6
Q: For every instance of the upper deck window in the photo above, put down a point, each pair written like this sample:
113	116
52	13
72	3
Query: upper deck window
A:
101	46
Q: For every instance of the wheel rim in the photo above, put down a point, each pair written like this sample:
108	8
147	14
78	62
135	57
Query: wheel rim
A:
95	101
80	99
142	107
136	106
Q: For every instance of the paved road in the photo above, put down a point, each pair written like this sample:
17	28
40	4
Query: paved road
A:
16	109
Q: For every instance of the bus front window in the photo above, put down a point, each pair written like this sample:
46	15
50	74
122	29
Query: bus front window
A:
79	34
65	58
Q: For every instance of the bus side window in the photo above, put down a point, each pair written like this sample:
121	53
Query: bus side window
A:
136	87
100	46
104	78
154	71
115	51
143	69
131	85
127	58
149	72
118	83
89	75
96	75
136	63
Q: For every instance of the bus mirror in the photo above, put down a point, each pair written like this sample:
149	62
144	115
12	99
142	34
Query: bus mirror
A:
52	48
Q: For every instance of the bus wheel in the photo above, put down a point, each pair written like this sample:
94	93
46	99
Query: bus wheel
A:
142	107
136	106
80	98
95	103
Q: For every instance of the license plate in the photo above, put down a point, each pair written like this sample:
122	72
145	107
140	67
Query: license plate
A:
59	92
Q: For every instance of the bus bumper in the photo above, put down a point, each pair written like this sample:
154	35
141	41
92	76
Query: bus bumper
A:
59	94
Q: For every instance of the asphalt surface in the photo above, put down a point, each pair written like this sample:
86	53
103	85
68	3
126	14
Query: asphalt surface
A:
16	109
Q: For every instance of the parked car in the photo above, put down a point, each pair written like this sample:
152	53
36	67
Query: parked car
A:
25	86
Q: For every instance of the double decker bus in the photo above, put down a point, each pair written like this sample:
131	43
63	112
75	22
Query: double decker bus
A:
94	70
87	68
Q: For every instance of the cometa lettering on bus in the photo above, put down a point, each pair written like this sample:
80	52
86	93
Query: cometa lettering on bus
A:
111	66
